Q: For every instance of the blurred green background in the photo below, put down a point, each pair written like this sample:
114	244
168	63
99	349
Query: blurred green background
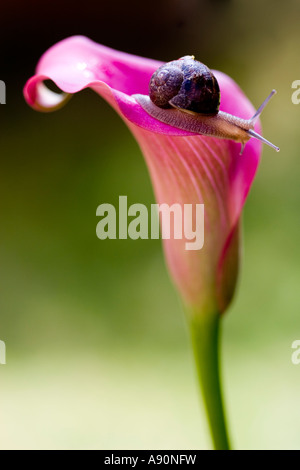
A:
97	347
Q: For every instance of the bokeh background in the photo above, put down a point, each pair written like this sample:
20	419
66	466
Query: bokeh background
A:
97	347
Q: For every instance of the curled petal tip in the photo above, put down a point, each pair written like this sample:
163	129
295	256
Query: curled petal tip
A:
41	98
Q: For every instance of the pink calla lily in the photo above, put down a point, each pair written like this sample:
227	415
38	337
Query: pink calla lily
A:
184	167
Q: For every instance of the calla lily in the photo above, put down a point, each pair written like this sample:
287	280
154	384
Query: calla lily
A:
185	168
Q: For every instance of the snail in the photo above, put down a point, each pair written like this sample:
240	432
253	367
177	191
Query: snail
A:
184	93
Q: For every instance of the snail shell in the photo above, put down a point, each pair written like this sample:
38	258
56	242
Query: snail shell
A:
186	84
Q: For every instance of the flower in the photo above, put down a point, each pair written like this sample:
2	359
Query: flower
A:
185	168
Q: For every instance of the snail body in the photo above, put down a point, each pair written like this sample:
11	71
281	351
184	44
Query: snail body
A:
221	125
185	94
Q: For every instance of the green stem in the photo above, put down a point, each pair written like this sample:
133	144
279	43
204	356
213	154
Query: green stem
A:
205	331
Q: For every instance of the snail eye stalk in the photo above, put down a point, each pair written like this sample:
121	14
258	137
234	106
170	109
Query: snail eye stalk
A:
262	107
254	118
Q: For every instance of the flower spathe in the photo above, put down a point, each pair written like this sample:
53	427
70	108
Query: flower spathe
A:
185	168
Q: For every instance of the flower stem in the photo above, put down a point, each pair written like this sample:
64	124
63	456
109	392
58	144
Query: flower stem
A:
205	331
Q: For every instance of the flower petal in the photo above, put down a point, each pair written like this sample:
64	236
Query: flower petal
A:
77	63
185	168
